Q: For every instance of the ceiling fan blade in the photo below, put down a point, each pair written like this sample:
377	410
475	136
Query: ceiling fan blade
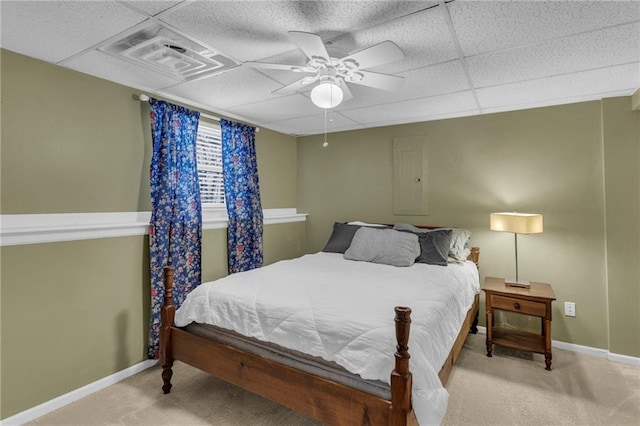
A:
346	93
378	54
311	44
283	67
390	83
298	85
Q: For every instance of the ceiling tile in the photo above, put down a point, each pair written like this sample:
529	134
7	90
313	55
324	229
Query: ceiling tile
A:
237	86
488	26
111	68
260	31
276	109
435	80
414	110
613	46
234	30
55	30
314	124
423	37
573	88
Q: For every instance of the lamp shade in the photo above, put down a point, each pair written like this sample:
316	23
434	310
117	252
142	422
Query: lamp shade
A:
326	95
518	223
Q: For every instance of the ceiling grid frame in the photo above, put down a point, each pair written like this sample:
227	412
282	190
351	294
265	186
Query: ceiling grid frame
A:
486	41
454	37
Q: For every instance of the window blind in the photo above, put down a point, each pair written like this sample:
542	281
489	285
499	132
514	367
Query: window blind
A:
209	158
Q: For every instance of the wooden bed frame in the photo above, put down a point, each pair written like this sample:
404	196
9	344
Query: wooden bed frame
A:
320	398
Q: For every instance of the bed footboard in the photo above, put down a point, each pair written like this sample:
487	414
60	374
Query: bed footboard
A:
322	399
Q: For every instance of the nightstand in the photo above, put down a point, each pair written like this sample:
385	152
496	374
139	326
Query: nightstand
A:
533	301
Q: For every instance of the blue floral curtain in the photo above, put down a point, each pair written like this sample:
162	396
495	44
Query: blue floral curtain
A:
175	231
242	196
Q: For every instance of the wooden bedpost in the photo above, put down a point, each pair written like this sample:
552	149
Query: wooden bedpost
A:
475	258
167	314
401	379
475	255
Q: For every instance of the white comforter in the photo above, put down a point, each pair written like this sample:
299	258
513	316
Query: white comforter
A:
342	311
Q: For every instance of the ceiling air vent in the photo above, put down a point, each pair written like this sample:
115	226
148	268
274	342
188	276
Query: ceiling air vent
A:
169	52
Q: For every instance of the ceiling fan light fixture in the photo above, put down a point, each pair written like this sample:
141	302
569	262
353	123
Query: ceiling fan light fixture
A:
348	65
327	95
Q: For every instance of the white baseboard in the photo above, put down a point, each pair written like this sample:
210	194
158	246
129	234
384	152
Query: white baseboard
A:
600	353
625	359
68	398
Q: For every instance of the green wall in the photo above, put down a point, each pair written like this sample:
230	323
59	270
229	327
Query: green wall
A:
71	143
75	312
545	160
72	313
621	133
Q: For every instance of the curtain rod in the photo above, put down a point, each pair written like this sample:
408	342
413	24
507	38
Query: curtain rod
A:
145	98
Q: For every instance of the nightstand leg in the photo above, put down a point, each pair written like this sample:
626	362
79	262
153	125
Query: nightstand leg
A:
547	344
489	333
547	360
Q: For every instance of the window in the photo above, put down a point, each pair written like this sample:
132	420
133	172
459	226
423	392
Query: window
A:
209	157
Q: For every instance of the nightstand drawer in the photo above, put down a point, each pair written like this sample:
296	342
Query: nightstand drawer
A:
526	307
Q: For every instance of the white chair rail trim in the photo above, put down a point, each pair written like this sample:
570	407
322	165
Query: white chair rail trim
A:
21	229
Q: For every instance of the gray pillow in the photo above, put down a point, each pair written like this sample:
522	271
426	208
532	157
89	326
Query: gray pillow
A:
459	245
340	238
434	247
384	246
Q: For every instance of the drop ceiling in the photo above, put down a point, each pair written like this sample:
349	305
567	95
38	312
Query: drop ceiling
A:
461	58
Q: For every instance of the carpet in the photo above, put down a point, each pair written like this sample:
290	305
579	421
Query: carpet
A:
510	388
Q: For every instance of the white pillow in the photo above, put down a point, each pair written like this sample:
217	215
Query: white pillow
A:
384	246
459	249
378	225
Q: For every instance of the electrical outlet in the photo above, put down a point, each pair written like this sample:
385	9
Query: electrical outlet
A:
570	309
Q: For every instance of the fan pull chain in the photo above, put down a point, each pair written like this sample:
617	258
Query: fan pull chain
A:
325	144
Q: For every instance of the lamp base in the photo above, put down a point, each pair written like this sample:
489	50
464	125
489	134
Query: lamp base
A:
517	283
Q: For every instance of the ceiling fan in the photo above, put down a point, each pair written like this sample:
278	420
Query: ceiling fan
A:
333	74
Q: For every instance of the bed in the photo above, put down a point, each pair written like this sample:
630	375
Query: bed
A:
274	332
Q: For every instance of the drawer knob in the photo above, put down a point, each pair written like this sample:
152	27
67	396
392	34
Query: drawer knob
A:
516	305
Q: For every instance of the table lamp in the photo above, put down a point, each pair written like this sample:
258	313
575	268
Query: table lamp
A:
518	223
